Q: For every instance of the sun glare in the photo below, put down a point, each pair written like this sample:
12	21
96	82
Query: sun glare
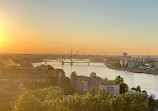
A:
1	34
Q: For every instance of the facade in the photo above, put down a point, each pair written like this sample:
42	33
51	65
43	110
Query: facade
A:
14	80
59	73
156	65
21	77
125	55
131	64
122	63
83	83
113	89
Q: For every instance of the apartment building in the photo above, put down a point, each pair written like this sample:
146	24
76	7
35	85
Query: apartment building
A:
83	83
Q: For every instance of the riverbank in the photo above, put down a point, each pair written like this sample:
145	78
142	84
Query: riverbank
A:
134	70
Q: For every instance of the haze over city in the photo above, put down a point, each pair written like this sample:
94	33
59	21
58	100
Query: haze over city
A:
78	55
106	27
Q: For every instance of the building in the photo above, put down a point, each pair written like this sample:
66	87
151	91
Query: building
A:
83	83
113	89
122	63
125	55
60	73
22	76
131	64
14	80
156	65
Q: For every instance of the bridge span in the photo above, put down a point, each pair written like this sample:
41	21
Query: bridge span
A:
71	62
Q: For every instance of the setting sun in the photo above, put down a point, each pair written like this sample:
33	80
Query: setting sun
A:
1	34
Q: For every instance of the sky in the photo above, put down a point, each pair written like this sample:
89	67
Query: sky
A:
106	27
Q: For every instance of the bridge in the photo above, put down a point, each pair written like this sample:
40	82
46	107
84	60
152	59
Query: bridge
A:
71	61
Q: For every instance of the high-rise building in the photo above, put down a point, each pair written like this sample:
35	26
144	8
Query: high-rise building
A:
125	55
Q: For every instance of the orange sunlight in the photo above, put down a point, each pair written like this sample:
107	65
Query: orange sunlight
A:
1	34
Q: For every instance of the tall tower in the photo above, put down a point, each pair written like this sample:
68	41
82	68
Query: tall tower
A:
71	57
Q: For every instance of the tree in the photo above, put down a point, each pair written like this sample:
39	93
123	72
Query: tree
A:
93	101
73	74
92	91
93	74
119	79
152	103
129	102
57	92
27	102
74	103
53	99
66	85
123	88
54	105
138	88
50	67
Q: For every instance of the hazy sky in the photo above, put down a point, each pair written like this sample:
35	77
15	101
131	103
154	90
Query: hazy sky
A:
107	27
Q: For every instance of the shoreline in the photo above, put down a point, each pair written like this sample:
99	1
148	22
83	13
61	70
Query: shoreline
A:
133	70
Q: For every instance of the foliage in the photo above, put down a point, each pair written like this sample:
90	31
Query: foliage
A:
52	80
53	99
119	79
94	75
129	102
73	74
66	86
153	103
27	102
50	67
123	86
138	88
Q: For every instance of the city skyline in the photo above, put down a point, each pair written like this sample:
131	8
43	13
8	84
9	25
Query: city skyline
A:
92	27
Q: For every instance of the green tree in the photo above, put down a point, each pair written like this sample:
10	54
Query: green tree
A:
73	74
74	103
50	67
96	102
27	102
152	103
93	74
123	88
57	92
54	105
129	102
138	88
66	85
119	79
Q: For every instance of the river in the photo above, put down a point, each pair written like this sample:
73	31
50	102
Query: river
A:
146	81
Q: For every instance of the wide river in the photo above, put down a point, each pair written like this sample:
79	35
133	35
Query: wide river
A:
146	81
